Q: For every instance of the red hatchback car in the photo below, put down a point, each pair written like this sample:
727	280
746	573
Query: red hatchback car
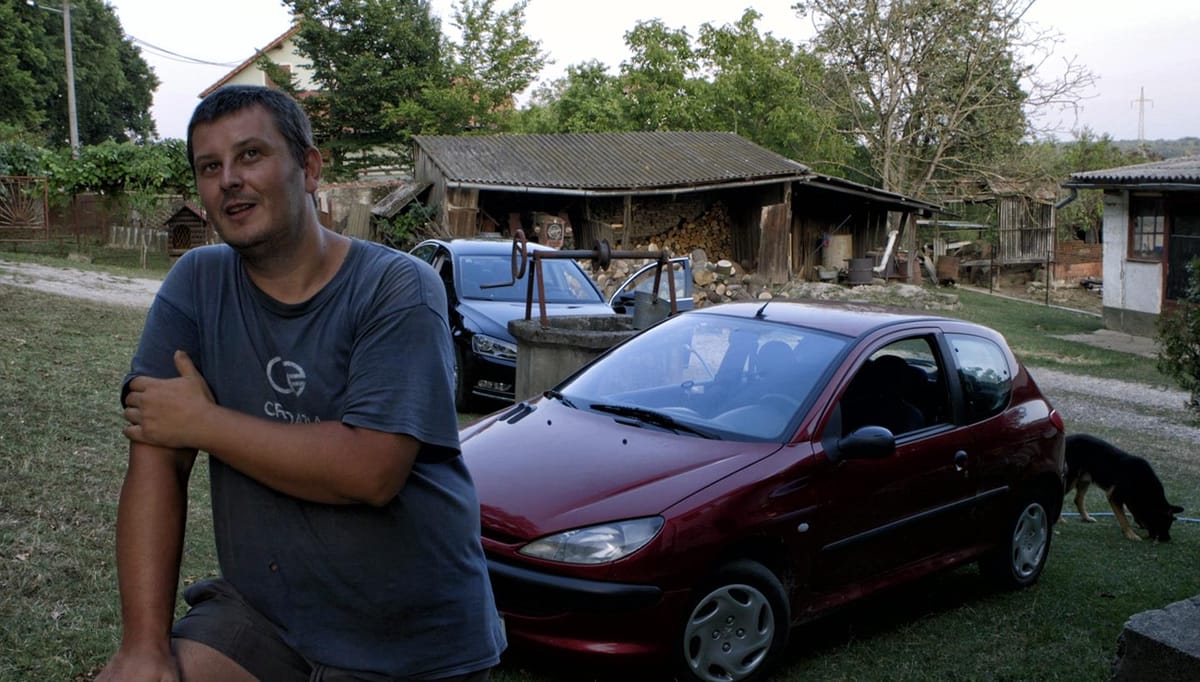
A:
735	470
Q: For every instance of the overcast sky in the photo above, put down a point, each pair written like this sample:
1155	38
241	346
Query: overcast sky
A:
1150	44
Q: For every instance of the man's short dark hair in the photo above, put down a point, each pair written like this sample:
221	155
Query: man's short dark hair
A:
288	116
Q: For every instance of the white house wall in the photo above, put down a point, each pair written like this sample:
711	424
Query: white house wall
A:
284	55
1132	289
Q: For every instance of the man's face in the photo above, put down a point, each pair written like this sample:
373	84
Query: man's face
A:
249	182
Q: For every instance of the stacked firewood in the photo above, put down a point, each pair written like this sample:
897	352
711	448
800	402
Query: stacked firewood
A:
709	231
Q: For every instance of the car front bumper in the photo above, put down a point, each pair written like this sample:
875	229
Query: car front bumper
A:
586	617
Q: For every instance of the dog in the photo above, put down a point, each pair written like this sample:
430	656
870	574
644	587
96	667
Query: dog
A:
1128	480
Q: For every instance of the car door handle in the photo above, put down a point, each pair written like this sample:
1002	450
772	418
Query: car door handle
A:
960	460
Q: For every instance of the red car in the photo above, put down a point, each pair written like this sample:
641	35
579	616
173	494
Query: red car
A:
736	470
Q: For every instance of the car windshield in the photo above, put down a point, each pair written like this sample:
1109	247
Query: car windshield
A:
565	282
718	376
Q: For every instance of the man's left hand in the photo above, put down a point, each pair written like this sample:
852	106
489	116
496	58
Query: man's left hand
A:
167	412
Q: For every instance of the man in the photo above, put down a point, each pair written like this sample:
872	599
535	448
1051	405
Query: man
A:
316	371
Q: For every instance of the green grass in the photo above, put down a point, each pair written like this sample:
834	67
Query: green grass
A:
62	458
125	262
1030	329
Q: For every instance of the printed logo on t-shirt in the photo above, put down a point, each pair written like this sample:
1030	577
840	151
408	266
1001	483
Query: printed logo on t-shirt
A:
291	374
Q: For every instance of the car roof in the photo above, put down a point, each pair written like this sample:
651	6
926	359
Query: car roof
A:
837	317
476	246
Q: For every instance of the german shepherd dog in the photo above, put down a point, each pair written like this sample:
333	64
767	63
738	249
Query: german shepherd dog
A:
1127	480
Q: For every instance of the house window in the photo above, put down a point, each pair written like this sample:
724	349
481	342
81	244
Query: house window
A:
1147	228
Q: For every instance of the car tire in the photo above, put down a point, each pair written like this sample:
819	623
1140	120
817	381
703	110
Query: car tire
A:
1022	551
737	626
463	400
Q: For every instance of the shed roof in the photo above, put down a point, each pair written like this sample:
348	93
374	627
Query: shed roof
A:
633	162
1182	172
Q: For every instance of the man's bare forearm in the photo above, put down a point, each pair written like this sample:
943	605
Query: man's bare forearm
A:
150	529
326	462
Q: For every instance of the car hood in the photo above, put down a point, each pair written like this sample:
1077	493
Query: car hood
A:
491	317
557	468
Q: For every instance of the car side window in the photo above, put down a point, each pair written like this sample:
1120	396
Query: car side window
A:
900	387
984	373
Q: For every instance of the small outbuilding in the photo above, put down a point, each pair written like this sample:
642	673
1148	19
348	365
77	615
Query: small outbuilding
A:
682	189
1151	232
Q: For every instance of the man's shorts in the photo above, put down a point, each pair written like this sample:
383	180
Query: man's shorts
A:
220	618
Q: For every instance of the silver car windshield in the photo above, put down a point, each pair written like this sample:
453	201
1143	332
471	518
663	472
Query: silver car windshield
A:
730	376
489	278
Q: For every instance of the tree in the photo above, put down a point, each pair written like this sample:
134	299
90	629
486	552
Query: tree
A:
935	88
587	100
731	78
659	82
376	63
114	86
492	63
760	89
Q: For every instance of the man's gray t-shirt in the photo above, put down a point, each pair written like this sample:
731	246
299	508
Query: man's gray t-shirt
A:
402	589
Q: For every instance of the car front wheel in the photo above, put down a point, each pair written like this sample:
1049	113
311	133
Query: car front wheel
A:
737	627
1021	555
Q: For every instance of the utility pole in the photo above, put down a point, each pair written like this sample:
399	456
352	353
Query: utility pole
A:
1141	102
72	115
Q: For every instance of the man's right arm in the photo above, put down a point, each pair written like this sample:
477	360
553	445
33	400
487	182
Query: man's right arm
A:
150	527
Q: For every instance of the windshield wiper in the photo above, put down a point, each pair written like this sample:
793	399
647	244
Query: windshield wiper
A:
557	395
656	418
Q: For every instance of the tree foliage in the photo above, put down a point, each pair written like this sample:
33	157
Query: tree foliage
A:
107	168
385	73
759	87
1179	339
490	64
730	77
935	88
114	86
374	61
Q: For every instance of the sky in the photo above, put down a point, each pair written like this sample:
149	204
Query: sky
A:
1148	47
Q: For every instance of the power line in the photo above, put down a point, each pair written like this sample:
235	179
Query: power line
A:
175	56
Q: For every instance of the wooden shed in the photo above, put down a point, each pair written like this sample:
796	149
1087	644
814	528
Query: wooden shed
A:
715	190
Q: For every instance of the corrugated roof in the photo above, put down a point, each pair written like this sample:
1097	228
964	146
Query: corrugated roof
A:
605	161
1183	170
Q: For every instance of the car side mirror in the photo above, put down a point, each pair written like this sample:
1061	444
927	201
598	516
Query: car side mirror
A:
868	442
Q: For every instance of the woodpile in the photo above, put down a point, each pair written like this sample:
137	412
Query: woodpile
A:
711	231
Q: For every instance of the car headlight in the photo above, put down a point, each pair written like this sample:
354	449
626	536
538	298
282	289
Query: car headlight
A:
493	347
596	544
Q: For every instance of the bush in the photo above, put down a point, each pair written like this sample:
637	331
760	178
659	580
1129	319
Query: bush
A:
1179	339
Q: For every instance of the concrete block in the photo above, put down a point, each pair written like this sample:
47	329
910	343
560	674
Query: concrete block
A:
1161	645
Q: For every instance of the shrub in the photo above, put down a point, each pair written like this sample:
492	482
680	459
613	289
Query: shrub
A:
1179	339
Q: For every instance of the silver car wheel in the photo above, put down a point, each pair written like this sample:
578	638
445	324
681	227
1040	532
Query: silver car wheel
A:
729	633
1031	538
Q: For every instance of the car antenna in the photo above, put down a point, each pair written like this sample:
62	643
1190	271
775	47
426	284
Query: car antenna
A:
759	314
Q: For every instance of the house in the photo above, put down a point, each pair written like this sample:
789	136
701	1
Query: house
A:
281	51
716	190
1151	229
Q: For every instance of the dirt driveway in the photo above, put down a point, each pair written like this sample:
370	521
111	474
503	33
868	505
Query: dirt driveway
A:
1159	413
77	283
